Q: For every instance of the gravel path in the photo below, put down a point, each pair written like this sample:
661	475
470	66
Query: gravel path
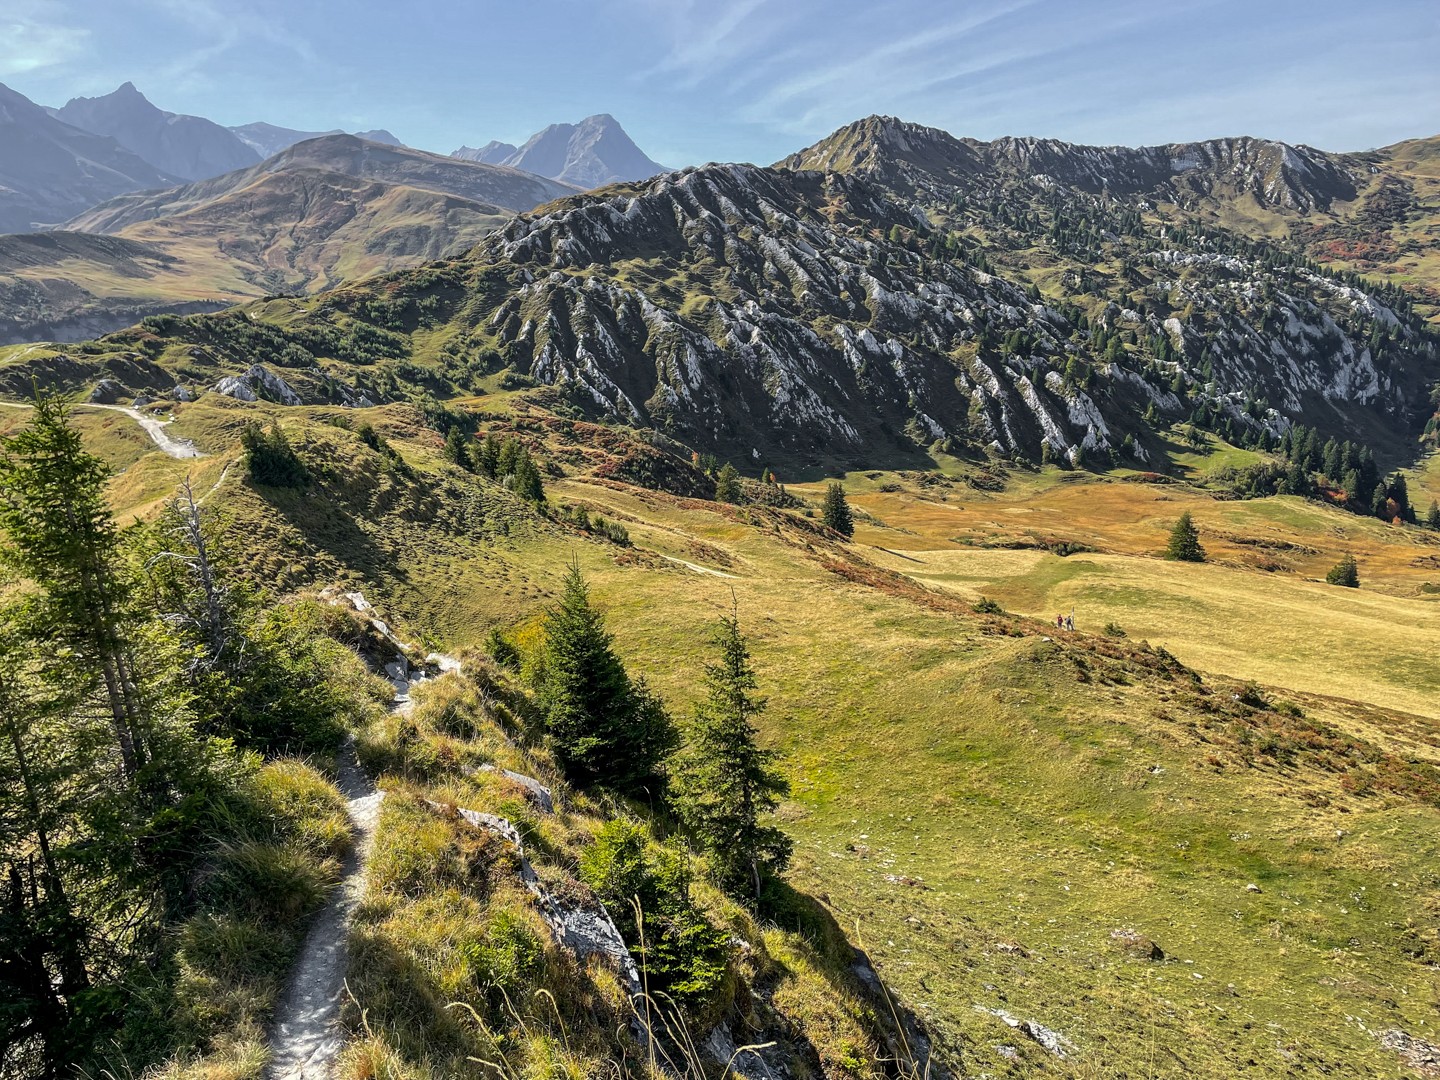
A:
176	448
306	1036
700	569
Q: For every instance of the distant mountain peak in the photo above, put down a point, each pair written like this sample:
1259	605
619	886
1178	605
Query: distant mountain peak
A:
190	147
595	152
50	170
269	139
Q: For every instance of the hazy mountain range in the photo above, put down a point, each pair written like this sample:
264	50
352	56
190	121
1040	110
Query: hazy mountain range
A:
891	284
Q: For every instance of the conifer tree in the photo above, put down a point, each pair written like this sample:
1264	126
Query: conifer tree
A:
1400	494
63	538
835	511
1346	572
1380	504
457	449
525	479
727	484
269	457
1184	543
726	783
602	727
1432	519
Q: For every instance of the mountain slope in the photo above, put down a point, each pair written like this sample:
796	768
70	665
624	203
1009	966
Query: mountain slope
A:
768	314
327	210
590	154
50	171
1272	174
267	140
347	155
1371	212
189	147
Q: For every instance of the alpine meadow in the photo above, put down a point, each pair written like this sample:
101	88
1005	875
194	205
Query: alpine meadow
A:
929	607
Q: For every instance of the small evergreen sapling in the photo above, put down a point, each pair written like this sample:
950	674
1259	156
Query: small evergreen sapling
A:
1184	543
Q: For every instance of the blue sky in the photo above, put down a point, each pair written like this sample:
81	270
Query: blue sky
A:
752	80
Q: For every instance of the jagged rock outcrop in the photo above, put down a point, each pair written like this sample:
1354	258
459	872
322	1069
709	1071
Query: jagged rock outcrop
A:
257	382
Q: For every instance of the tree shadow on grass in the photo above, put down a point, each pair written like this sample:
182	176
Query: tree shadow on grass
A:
907	1045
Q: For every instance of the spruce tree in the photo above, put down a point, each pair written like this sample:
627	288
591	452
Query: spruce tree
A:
727	484
726	783
602	728
63	538
835	511
269	457
457	448
1432	519
1184	543
525	479
1346	572
1380	504
1400	493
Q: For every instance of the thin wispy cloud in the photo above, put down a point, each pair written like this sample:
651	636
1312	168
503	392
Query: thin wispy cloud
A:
706	38
702	80
34	37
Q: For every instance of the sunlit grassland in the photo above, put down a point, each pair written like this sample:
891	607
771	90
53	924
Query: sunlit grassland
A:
982	810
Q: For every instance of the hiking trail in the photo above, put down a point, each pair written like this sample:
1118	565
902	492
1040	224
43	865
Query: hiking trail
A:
306	1036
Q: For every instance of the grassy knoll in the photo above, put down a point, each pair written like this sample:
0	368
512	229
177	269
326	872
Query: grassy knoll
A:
981	808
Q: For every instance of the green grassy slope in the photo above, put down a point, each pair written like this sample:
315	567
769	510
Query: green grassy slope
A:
978	806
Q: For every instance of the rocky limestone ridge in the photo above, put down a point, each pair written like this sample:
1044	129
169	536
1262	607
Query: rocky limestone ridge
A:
1274	174
801	324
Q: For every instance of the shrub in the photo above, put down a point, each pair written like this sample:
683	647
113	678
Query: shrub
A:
1345	573
1114	629
683	955
502	650
986	606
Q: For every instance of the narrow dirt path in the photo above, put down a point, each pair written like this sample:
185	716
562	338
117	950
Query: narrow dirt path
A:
700	569
175	448
306	1035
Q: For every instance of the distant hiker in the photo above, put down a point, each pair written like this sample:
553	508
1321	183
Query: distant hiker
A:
1070	622
1060	622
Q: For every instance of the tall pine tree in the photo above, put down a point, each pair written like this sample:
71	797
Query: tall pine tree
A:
835	511
602	727
726	784
62	537
1184	543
